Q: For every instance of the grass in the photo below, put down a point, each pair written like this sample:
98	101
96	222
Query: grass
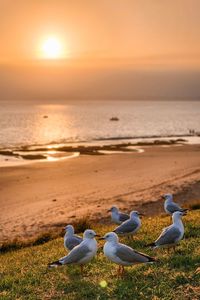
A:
24	273
194	205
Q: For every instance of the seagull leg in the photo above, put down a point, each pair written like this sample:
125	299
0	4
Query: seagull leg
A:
122	270
130	237
119	271
81	266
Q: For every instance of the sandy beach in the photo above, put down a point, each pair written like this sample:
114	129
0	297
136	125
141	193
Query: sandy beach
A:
42	196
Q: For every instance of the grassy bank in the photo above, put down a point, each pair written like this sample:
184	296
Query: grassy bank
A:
24	274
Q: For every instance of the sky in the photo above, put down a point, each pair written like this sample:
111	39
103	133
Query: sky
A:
140	45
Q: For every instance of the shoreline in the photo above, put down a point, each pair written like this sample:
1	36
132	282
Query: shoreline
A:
54	152
41	197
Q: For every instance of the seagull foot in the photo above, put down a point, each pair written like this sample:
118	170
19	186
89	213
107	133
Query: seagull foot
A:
120	271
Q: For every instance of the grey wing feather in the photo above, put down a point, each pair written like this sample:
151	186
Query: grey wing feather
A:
129	255
168	236
78	253
172	207
78	238
123	217
73	242
126	227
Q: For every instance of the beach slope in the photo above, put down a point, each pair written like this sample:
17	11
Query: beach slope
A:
42	196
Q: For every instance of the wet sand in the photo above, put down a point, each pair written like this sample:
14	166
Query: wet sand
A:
41	196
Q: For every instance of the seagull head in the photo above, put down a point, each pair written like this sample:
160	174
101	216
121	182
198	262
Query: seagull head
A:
69	229
135	214
113	209
167	197
178	214
89	234
110	237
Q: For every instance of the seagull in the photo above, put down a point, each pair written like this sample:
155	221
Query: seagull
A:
121	254
70	239
172	234
116	216
82	253
130	226
170	206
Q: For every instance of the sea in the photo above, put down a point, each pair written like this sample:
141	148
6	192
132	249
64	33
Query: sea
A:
24	125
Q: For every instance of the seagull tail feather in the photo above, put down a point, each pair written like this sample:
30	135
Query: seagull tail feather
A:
150	245
55	264
152	259
117	231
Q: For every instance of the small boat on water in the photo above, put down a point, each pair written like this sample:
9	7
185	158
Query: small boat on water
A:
114	119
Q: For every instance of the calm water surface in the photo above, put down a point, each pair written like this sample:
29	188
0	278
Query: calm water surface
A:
35	124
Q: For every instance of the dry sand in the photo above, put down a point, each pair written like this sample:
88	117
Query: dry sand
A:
40	196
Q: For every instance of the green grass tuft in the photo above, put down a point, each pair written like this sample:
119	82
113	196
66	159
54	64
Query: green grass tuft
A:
24	272
195	205
82	224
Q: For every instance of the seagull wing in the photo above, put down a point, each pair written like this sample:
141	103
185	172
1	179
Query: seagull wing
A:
168	236
123	217
172	207
73	242
127	254
77	253
78	237
126	227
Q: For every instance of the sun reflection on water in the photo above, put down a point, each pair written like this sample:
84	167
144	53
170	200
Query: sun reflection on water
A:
60	156
52	123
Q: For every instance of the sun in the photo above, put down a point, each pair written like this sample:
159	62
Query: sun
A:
52	48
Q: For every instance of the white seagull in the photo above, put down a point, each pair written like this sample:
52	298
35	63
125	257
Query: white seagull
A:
121	254
170	206
171	235
116	216
70	239
81	254
130	226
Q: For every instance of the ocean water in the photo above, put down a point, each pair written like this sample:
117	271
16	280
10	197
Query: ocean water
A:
38	124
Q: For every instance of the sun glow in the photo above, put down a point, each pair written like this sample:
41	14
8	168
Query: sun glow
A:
53	48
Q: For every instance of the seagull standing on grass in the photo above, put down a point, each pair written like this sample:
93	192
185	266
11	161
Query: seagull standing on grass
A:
172	234
81	254
116	216
130	226
170	206
70	239
121	254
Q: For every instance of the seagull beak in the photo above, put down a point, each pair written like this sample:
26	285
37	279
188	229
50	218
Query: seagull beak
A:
97	235
101	238
163	197
109	210
184	213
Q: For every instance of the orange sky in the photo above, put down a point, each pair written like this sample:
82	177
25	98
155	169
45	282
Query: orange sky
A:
167	30
112	49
